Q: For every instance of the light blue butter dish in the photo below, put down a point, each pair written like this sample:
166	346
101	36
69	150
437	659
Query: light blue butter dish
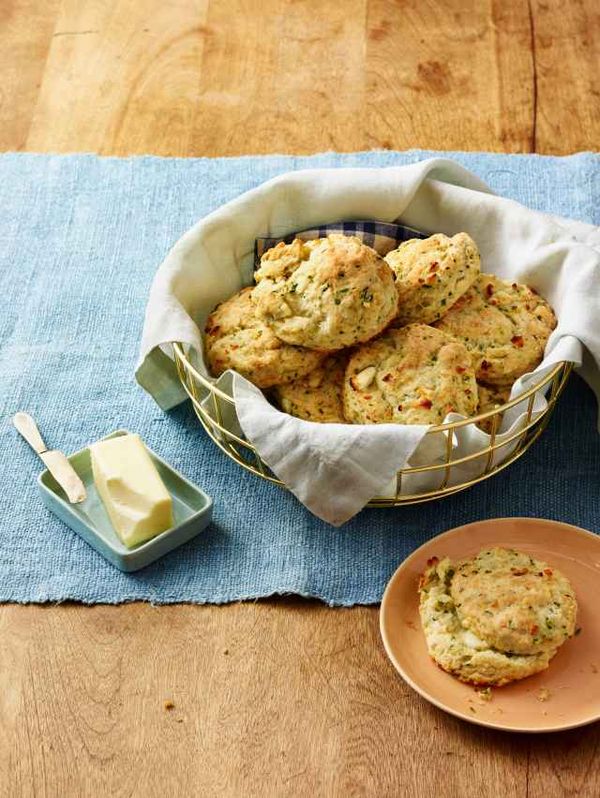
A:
192	511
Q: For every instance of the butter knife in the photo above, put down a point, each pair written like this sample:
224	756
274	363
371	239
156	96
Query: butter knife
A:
55	461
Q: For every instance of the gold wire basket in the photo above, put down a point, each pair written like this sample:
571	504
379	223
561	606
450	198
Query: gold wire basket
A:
215	409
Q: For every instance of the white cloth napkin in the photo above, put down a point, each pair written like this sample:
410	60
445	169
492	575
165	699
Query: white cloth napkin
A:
335	469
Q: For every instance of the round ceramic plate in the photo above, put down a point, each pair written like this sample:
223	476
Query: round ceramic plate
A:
564	696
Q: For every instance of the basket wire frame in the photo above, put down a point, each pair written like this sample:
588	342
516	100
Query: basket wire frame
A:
212	406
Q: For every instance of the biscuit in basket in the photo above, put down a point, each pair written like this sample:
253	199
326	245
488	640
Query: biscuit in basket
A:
504	325
235	338
409	375
495	618
431	274
325	294
491	397
318	396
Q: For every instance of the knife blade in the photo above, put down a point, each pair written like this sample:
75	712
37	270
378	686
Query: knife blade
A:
55	461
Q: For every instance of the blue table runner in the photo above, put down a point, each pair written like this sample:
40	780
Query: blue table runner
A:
80	240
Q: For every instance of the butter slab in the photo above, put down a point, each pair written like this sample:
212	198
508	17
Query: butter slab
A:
135	498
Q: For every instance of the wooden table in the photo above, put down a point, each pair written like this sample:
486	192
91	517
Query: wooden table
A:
277	698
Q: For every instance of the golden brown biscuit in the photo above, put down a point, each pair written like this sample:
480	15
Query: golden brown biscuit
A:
318	396
491	397
516	603
325	294
459	650
409	375
236	339
504	325
431	274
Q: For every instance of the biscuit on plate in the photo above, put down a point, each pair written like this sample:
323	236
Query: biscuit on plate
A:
504	325
325	294
431	274
235	338
409	375
318	396
496	617
491	397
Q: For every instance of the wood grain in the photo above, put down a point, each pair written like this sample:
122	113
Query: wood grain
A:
243	76
277	698
566	45
282	77
95	681
26	28
121	76
464	82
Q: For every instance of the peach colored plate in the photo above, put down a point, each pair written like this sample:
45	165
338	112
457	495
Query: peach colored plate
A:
562	697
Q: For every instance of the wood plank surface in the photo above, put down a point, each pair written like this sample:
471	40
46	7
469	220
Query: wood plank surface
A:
273	698
26	28
227	78
277	698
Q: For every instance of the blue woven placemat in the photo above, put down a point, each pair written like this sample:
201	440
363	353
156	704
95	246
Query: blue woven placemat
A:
80	240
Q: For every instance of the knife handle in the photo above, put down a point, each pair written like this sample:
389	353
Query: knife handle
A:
29	430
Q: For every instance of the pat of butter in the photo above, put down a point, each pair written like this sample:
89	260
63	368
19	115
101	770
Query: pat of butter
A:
136	500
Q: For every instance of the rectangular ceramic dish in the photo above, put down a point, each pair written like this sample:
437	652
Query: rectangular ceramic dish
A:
192	510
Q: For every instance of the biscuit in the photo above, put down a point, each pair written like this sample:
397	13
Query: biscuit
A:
517	604
236	339
409	375
325	294
491	397
318	396
457	650
504	325
431	274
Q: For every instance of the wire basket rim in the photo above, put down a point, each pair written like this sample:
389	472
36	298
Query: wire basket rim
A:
216	427
209	384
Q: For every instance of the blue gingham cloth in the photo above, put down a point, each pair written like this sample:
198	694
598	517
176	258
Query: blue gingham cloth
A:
381	236
80	240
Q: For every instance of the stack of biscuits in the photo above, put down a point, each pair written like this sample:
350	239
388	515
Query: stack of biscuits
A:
338	334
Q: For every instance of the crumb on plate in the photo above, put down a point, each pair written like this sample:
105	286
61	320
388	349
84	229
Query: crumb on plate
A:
543	694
